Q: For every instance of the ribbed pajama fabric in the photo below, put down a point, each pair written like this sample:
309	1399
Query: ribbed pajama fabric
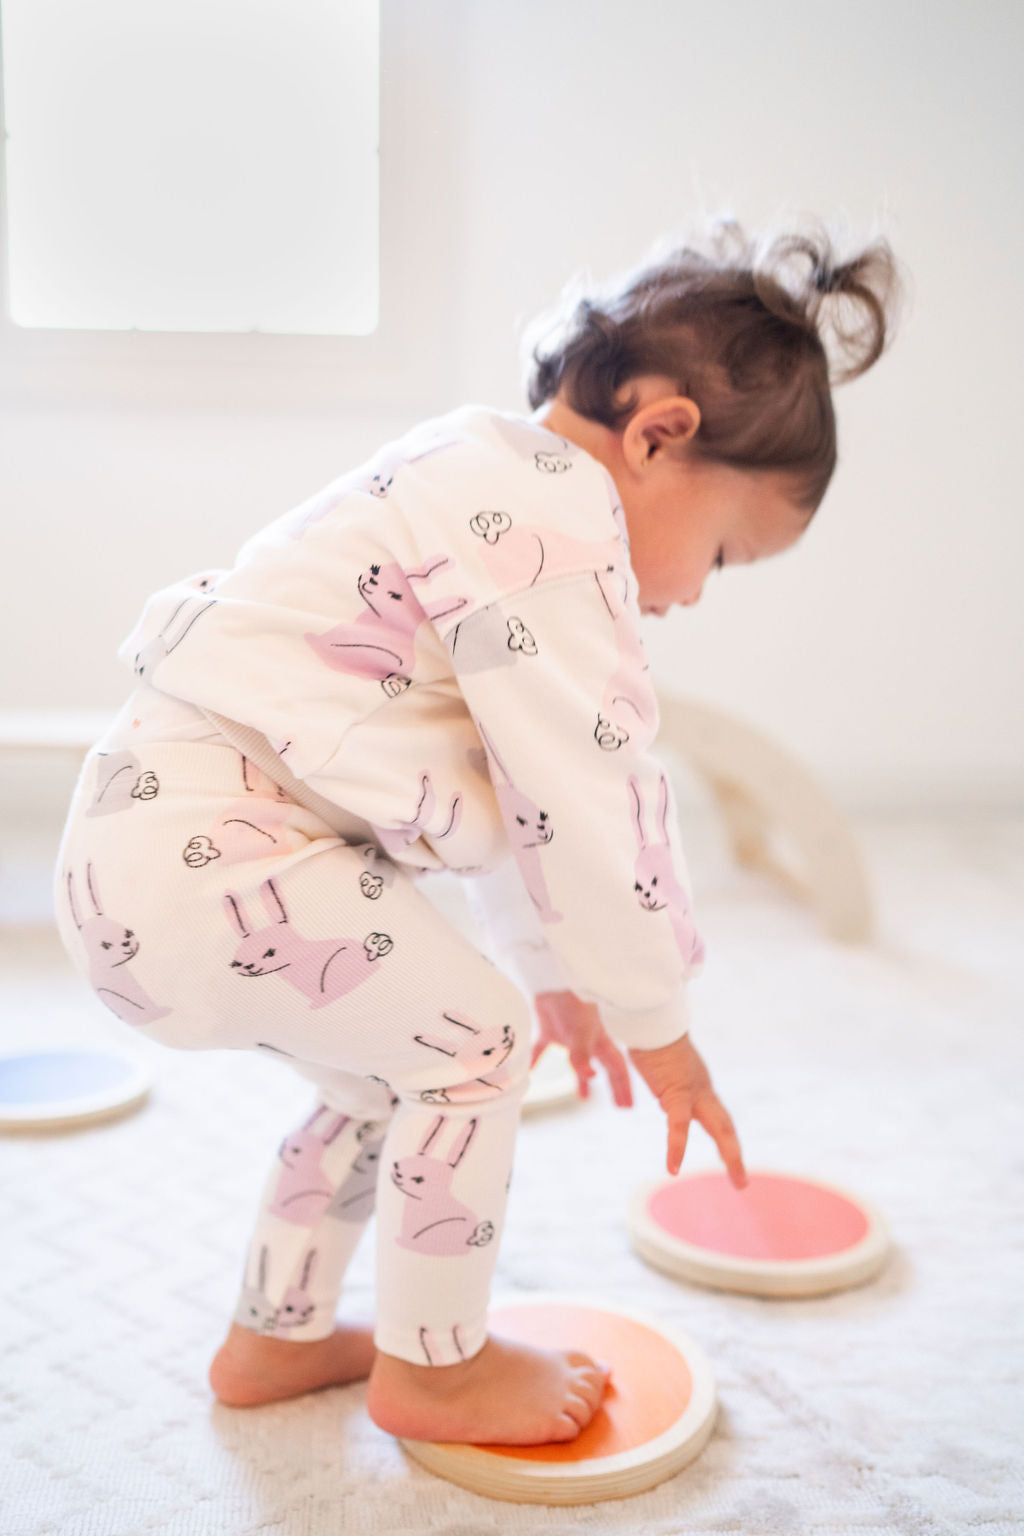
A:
433	663
210	911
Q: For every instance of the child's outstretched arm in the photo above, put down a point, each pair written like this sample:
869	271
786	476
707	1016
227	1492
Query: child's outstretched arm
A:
675	1074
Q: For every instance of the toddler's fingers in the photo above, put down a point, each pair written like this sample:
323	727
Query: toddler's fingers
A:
678	1135
614	1063
717	1121
580	1063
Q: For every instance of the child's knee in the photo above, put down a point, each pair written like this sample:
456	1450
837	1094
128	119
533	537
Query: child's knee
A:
480	1053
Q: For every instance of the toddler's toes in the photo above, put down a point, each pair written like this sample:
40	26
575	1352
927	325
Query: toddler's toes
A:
580	1410
589	1380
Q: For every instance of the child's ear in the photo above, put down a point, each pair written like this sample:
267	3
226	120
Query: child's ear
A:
663	427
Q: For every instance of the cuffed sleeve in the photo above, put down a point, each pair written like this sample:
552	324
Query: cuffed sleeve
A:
648	1030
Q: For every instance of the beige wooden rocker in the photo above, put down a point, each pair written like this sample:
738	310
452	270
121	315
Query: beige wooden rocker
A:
765	796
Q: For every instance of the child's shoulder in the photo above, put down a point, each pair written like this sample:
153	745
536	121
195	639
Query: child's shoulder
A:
469	464
501	504
516	442
472	453
486	501
491	460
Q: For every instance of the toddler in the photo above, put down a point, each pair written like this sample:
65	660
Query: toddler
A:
436	664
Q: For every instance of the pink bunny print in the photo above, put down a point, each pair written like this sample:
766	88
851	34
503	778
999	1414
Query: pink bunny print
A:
629	708
489	639
110	947
434	1221
430	1350
120	784
396	839
490	526
373	479
355	1196
250	828
321	969
380	645
657	886
551	454
297	1306
529	829
379	874
188	611
303	1188
255	1309
518	556
481	1051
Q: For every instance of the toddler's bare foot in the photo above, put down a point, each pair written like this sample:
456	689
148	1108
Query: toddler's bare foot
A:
249	1368
508	1394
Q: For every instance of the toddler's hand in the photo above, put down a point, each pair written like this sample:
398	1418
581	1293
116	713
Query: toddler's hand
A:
566	1019
680	1082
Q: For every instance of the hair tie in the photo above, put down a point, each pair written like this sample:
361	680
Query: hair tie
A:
828	279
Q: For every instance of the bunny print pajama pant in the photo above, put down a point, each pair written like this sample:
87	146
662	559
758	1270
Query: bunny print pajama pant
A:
209	911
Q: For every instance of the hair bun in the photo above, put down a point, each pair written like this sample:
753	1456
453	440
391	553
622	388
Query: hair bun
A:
754	330
828	279
851	304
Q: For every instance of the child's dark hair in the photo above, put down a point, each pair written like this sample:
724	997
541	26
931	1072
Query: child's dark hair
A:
741	327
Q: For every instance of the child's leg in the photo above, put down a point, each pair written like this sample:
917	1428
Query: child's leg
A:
446	1167
318	1197
214	921
445	1174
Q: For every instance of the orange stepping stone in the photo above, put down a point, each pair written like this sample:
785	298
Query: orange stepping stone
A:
656	1417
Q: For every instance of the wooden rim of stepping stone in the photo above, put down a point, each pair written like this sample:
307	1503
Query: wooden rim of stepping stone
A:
552	1081
61	1087
657	1415
784	1235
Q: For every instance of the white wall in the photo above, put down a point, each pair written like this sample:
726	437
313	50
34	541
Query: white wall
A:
522	141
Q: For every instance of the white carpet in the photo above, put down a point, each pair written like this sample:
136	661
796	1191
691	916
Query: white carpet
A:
893	1410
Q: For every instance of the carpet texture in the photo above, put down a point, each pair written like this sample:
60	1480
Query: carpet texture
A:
892	1410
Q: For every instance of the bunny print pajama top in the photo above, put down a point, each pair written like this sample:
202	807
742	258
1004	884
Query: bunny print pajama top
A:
433	664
